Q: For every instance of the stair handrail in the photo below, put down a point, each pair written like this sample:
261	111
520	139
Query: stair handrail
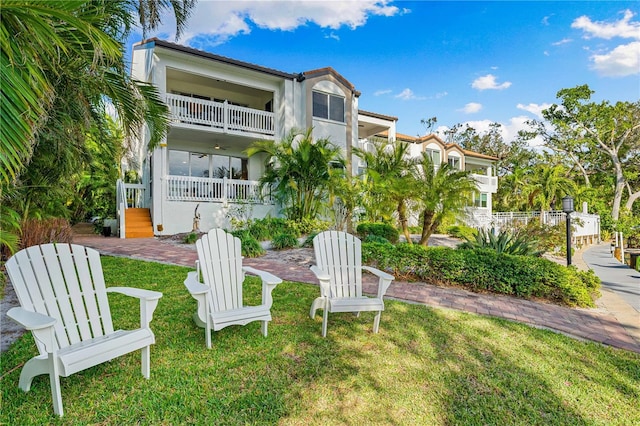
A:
121	201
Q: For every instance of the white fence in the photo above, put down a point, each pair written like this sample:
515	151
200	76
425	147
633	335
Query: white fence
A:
585	227
187	188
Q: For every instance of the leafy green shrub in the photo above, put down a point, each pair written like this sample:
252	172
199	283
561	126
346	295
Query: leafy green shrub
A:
308	242
284	241
372	238
505	242
250	246
306	226
462	231
191	238
383	230
482	269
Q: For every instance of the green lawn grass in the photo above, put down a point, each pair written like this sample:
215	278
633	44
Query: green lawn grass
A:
425	367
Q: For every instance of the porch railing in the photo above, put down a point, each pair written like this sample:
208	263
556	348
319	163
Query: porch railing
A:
221	115
489	181
186	188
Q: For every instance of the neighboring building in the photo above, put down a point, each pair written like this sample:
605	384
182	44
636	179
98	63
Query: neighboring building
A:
220	106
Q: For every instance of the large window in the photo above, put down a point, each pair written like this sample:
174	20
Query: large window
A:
434	155
182	163
454	162
329	107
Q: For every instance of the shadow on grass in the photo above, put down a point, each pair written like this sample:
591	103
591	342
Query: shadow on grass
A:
426	366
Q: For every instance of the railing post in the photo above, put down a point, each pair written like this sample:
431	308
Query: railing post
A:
225	115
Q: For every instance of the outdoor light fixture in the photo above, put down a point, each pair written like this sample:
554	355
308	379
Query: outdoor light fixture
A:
567	207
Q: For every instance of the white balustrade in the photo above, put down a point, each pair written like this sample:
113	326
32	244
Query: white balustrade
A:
221	115
187	188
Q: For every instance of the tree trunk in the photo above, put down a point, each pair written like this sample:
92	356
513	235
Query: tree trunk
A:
427	222
632	198
402	217
619	187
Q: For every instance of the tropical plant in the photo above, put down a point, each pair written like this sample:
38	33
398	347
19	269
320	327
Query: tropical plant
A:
387	180
63	65
548	185
441	193
301	171
508	242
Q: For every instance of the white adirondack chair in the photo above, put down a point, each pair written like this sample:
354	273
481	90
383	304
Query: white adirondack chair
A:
219	298
339	270
63	302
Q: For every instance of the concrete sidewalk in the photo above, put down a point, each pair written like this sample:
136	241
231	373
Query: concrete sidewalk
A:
599	325
620	287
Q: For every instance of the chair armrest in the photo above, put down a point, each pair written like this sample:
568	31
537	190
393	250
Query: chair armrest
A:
40	325
30	320
384	279
269	282
138	293
266	277
324	278
194	286
148	301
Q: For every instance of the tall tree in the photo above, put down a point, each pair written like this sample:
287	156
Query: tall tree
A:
43	42
547	185
443	192
581	127
300	169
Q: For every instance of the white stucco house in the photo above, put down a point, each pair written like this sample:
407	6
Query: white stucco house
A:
219	106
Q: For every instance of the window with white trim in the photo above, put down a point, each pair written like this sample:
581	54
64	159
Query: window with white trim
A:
329	107
434	155
454	162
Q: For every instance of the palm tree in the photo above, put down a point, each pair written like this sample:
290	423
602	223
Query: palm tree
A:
62	63
442	192
388	178
548	185
301	171
44	44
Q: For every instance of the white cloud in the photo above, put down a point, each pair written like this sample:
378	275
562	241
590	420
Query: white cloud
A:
488	82
509	130
535	109
471	108
333	36
222	19
622	61
381	92
561	42
623	28
407	94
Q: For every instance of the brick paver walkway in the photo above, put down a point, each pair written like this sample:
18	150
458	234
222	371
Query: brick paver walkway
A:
597	325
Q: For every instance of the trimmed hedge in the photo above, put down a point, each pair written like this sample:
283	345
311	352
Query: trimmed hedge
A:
383	230
483	270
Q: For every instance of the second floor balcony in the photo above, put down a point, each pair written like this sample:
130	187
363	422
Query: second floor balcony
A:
220	116
486	183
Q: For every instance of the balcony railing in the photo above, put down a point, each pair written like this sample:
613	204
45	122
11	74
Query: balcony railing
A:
220	115
486	183
186	188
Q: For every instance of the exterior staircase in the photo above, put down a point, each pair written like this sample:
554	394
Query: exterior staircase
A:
137	223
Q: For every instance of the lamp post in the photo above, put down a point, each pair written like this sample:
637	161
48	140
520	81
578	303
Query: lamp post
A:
567	207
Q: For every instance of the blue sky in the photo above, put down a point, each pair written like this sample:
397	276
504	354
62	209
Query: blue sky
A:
470	62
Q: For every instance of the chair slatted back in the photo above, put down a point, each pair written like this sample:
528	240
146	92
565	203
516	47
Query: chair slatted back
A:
63	281
340	255
220	260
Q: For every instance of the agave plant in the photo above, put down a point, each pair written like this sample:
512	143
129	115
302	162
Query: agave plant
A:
505	242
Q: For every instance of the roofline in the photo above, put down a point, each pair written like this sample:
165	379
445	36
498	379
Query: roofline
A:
200	53
446	146
336	74
376	115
